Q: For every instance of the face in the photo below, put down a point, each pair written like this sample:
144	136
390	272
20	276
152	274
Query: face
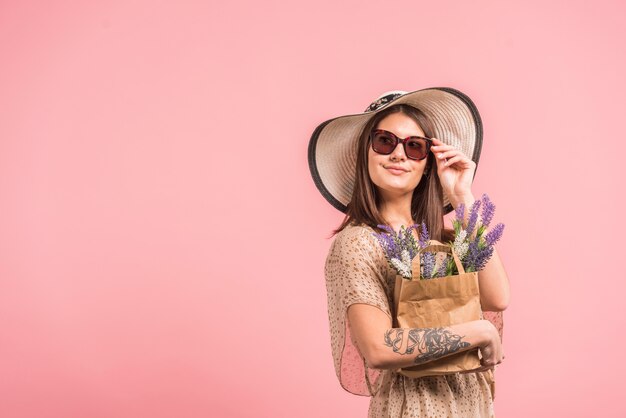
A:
396	183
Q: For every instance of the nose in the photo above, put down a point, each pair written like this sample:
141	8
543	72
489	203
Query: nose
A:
398	152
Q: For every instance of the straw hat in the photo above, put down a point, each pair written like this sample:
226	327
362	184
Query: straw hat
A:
333	146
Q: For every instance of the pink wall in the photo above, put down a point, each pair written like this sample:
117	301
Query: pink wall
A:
162	242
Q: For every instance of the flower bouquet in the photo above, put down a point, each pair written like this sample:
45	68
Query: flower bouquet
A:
474	248
433	292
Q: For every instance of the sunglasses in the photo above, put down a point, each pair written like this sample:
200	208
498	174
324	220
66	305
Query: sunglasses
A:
415	147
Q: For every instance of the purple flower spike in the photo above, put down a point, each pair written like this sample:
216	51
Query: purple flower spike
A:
488	210
459	212
411	244
483	257
429	264
472	256
388	241
412	226
424	236
473	217
443	268
494	235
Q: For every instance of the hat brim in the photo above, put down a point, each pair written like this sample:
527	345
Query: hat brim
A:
333	144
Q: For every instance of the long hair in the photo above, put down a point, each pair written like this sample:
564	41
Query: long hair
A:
427	198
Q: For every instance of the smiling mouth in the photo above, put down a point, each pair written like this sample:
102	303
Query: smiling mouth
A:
395	171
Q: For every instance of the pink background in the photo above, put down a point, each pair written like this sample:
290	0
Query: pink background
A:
162	241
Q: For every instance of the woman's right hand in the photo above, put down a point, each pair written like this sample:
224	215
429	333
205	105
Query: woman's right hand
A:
491	349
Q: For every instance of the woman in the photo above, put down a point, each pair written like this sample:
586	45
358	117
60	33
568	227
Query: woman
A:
386	166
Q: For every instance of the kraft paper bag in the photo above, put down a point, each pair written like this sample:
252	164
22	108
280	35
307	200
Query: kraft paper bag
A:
439	302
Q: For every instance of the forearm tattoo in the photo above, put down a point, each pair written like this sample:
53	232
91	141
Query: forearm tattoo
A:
431	343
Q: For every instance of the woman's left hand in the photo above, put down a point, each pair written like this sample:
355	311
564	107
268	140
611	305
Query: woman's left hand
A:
457	173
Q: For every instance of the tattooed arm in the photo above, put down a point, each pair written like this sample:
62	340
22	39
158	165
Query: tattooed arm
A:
384	347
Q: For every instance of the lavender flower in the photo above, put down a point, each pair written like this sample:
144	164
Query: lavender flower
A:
473	249
460	211
428	265
388	241
459	245
413	246
424	237
403	269
428	257
443	267
473	217
400	248
473	253
488	210
494	235
483	256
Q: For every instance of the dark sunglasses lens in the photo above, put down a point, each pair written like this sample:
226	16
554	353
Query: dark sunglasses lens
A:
383	143
416	148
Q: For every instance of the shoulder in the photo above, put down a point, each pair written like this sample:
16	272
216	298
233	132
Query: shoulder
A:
355	255
359	235
357	240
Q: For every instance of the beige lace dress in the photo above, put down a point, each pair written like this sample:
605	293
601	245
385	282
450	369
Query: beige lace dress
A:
357	271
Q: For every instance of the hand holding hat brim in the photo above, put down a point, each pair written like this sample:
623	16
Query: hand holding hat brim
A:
455	170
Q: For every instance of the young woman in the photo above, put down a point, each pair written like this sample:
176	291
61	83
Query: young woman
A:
385	166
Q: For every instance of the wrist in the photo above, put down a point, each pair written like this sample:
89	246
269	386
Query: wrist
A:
467	199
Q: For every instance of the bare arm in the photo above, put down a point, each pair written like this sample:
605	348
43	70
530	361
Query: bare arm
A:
384	347
494	285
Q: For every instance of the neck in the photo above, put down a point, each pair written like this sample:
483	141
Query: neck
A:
396	208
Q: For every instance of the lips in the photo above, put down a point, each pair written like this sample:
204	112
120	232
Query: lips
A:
395	170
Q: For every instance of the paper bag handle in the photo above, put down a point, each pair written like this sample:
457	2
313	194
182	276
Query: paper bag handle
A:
437	246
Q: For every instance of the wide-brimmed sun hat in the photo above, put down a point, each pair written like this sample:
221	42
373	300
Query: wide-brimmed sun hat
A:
333	146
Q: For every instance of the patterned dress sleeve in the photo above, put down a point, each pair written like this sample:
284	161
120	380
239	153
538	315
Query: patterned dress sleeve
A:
497	319
355	273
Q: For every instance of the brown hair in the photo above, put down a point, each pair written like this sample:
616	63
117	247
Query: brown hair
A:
427	200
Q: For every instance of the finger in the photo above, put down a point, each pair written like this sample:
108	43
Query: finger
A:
443	159
439	160
487	363
441	145
449	153
437	141
442	148
451	160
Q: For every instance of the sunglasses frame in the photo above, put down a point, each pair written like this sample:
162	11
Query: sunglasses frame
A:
404	141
